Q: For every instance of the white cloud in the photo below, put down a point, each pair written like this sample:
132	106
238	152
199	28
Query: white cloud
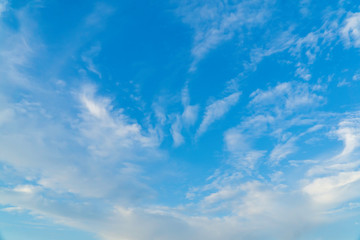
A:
350	31
241	153
159	112
282	42
109	130
296	201
88	58
216	22
334	181
300	47
17	51
96	108
217	110
349	132
12	209
334	189
229	206
176	128
303	72
256	210
356	77
184	120
270	96
274	112
282	150
235	140
94	153
289	96
190	114
27	189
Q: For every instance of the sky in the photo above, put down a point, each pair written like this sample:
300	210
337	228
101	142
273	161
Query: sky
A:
179	119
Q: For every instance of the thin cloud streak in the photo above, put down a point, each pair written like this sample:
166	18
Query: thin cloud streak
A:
216	111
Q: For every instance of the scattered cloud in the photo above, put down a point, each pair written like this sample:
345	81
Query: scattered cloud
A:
289	96
216	22
305	48
311	198
93	154
176	128
350	30
17	52
334	189
283	41
190	113
303	72
349	133
334	180
242	154
186	119
88	57
217	110
356	77
282	150
273	115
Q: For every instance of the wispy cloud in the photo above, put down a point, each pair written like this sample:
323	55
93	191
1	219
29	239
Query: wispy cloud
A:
334	189
18	50
88	58
176	128
62	144
242	154
216	111
303	49
64	156
109	129
350	31
216	22
184	120
190	113
281	42
289	96
311	199
333	182
274	112
282	150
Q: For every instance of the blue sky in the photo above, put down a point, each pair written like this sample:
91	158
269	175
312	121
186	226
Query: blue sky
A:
124	120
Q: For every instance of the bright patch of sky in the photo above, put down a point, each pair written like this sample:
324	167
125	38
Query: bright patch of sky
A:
138	120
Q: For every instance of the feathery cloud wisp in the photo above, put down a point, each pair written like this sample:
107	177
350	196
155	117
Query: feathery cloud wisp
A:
217	110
